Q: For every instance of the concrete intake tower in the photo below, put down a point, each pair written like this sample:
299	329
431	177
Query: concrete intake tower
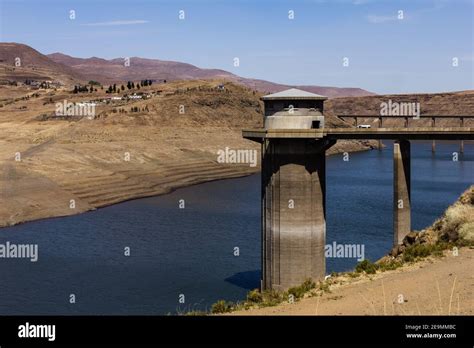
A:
293	192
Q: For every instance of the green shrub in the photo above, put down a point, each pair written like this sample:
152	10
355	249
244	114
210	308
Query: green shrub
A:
299	291
254	296
366	266
416	251
324	287
222	306
389	266
272	298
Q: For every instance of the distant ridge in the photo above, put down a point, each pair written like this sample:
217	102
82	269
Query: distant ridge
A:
70	69
32	65
141	68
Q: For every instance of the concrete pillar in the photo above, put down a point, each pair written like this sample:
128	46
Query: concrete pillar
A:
380	126
461	147
401	191
433	144
293	216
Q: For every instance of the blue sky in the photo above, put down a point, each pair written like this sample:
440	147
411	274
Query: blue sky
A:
386	54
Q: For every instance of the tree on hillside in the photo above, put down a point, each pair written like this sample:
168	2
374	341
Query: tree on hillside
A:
114	88
138	86
133	85
75	90
122	87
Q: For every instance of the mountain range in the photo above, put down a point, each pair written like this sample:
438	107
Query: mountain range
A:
71	70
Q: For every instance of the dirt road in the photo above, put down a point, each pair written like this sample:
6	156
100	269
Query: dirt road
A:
438	286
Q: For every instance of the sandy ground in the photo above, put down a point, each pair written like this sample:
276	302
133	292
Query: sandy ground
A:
436	286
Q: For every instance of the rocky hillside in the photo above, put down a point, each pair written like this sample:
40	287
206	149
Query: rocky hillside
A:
20	62
454	228
458	103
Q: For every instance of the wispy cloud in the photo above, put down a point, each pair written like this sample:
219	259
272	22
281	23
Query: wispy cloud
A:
116	23
360	2
375	19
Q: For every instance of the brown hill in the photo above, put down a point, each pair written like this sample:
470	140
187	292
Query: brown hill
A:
331	92
114	70
33	65
71	70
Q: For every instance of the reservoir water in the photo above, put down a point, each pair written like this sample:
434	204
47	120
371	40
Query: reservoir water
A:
191	251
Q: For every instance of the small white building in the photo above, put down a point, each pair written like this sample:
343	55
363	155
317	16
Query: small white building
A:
86	104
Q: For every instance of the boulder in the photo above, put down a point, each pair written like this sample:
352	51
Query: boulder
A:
410	238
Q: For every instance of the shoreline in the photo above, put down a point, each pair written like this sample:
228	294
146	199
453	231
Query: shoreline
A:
151	186
209	171
431	286
132	197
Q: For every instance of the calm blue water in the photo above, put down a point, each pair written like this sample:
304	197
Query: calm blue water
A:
190	251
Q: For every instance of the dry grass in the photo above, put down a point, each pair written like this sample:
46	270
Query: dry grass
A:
459	217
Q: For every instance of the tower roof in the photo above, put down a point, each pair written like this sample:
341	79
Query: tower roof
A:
294	94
